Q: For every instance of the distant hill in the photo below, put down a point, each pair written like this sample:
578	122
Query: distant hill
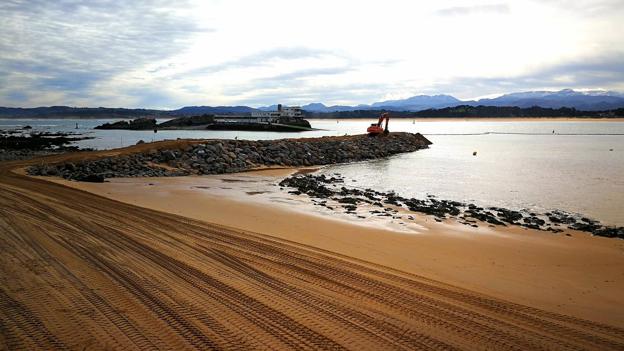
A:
417	103
105	112
598	100
587	101
318	107
374	114
414	103
467	111
210	110
77	112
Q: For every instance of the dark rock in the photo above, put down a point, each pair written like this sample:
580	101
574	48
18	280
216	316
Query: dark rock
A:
136	124
91	178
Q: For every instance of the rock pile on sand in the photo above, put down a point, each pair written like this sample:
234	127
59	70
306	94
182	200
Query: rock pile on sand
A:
229	156
330	192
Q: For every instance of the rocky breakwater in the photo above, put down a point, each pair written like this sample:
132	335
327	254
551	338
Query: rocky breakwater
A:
229	156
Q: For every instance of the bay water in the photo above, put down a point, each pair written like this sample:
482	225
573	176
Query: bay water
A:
572	165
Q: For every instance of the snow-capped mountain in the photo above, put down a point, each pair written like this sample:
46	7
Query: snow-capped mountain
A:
581	100
419	102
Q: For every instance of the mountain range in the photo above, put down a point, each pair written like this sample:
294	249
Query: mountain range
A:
597	100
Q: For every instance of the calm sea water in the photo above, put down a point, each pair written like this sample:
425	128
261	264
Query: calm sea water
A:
527	166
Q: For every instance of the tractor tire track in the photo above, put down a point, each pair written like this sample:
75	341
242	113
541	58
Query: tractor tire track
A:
132	278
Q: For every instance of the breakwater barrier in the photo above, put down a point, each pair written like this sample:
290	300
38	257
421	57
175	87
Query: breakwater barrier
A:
230	156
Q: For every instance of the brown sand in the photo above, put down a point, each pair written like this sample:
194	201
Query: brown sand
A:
579	275
81	271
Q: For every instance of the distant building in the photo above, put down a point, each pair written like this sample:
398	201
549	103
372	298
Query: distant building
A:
282	113
286	118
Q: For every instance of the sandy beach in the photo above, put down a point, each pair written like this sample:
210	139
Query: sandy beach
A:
174	263
579	274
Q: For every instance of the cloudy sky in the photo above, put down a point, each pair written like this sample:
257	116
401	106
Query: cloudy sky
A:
168	54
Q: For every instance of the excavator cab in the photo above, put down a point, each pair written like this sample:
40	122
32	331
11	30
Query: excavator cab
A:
375	128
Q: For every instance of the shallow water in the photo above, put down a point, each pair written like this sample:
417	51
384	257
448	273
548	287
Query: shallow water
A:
538	170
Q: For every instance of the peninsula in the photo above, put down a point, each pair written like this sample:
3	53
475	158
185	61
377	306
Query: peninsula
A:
285	119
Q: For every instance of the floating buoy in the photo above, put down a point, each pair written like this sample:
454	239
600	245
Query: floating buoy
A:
474	153
610	149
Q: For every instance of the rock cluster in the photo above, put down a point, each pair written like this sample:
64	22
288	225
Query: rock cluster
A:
142	123
186	122
24	143
228	156
330	192
23	154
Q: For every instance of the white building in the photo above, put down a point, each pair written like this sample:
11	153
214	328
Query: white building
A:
282	112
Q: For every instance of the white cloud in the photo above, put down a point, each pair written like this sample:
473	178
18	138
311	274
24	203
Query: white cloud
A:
154	54
474	9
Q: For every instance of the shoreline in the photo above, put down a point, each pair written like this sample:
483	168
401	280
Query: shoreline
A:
484	119
576	275
90	272
615	119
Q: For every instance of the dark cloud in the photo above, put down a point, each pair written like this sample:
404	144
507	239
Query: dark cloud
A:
600	71
591	73
350	93
146	96
262	58
70	46
470	10
292	81
307	73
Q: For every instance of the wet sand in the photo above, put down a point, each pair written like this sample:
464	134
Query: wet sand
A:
82	271
579	275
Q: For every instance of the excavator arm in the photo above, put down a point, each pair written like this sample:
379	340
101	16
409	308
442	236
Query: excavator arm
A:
385	116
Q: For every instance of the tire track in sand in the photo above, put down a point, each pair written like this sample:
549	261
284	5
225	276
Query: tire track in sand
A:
140	279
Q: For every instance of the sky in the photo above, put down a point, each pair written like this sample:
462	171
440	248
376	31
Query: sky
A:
169	54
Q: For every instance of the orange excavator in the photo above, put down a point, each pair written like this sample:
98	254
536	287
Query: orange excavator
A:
375	128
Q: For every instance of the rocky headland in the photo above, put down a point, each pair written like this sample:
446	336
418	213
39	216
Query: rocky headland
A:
210	122
143	123
229	156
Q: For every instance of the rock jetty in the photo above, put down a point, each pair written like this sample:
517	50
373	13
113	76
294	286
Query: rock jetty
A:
331	192
229	156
